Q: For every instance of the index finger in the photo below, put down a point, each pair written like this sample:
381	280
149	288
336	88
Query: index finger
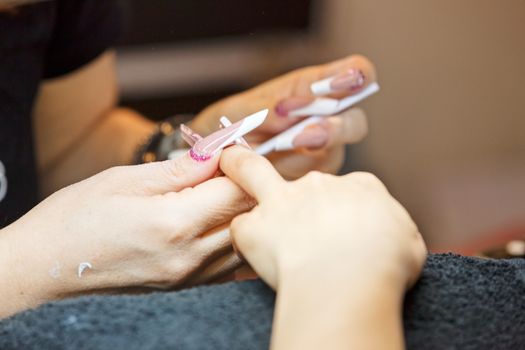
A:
254	173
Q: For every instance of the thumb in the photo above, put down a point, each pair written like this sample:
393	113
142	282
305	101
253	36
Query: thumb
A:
172	175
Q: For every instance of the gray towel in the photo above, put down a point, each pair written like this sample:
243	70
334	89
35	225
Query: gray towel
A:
459	303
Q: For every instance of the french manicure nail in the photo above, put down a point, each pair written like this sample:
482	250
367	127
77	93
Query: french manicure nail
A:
352	80
205	148
313	137
289	104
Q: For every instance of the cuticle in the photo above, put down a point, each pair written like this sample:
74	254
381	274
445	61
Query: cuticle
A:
196	156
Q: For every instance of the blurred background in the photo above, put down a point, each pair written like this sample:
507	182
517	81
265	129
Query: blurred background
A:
447	131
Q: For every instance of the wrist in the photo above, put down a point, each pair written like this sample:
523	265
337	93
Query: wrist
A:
337	313
19	285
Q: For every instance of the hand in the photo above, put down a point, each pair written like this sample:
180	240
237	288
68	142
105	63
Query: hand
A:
322	146
138	226
322	228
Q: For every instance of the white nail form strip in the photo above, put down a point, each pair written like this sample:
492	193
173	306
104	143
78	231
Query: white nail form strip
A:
284	141
249	124
331	106
225	122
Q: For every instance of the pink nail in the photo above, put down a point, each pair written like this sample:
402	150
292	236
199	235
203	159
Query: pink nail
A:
313	137
352	80
205	148
289	104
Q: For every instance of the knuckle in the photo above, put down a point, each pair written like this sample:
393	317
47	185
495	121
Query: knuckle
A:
172	169
314	176
365	179
241	229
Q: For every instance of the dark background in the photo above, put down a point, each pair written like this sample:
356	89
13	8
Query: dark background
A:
150	24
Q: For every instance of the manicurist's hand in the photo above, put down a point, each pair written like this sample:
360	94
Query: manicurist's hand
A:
340	251
320	147
136	226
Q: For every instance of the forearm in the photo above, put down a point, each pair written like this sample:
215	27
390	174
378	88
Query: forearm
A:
110	143
20	287
326	315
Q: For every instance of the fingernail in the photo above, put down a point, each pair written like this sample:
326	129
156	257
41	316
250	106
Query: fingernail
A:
352	80
313	137
205	148
289	104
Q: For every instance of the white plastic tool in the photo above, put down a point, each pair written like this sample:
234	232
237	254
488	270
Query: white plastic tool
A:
320	108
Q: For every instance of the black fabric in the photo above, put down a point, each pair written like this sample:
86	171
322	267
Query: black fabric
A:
459	303
40	41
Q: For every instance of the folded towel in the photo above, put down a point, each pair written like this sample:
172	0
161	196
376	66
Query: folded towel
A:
459	303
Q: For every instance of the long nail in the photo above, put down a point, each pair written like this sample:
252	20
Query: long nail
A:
205	149
225	122
351	81
289	104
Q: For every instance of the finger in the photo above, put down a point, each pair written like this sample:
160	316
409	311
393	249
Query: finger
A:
338	79
168	176
217	269
313	137
345	77
347	128
254	173
209	205
215	240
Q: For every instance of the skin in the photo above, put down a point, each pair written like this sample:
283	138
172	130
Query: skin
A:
340	267
133	224
138	226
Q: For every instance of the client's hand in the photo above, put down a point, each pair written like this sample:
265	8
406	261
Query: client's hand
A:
321	147
340	251
136	226
322	226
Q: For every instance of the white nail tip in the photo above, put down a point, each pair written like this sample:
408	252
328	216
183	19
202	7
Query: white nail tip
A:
249	124
322	87
329	106
225	122
320	106
284	141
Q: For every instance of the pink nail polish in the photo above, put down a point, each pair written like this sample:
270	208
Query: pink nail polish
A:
205	148
352	80
289	104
